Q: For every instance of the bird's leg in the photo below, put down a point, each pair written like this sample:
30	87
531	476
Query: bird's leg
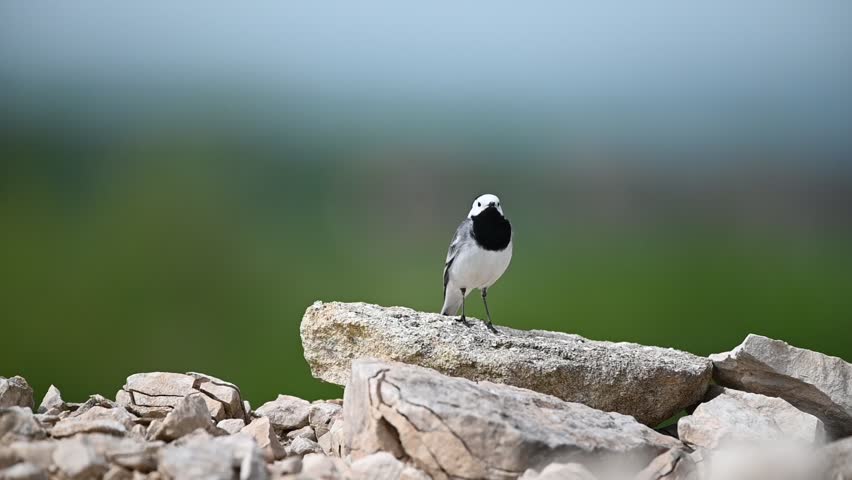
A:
463	319
487	313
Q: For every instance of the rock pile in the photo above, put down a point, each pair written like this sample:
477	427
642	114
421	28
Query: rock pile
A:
428	398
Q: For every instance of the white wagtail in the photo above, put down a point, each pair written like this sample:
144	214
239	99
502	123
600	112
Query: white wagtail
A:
479	254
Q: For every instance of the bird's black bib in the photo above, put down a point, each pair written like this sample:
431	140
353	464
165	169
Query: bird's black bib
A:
491	230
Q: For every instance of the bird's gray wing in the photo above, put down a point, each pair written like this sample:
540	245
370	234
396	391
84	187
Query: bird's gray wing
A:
462	237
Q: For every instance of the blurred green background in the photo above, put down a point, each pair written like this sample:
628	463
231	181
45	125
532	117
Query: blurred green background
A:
174	193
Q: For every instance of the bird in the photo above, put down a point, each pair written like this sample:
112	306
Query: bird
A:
479	253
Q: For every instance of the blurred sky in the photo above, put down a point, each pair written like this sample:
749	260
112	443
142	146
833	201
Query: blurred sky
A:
662	73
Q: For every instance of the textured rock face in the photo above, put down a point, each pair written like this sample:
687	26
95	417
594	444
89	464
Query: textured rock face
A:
155	394
15	392
735	416
649	383
203	457
189	414
286	412
454	427
816	383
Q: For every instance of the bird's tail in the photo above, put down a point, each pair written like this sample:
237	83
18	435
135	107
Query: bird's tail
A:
452	302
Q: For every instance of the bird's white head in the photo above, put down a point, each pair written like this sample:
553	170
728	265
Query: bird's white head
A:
483	202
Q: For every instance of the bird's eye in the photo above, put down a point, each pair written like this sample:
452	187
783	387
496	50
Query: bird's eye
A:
498	204
478	204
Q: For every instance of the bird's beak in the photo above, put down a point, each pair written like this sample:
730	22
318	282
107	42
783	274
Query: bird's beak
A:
491	204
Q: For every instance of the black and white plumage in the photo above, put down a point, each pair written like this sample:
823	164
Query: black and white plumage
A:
479	254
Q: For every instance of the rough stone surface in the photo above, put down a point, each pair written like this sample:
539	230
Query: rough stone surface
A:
305	432
559	471
675	464
19	424
115	421
232	425
735	416
322	415
261	430
648	383
203	457
15	392
52	402
155	394
813	382
454	427
190	414
303	446
286	413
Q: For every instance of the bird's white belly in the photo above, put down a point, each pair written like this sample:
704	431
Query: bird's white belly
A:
478	268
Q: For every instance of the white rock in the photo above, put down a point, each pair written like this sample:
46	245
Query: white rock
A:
201	457
231	425
322	415
303	446
190	414
735	416
52	402
115	421
286	413
15	392
306	432
453	427
813	382
261	430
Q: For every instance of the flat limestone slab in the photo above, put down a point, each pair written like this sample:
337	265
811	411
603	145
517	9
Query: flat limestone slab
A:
649	383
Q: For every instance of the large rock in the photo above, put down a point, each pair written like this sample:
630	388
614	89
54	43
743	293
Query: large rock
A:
15	392
649	383
155	394
735	416
816	383
454	427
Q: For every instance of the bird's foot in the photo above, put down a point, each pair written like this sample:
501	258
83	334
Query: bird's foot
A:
489	326
464	321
